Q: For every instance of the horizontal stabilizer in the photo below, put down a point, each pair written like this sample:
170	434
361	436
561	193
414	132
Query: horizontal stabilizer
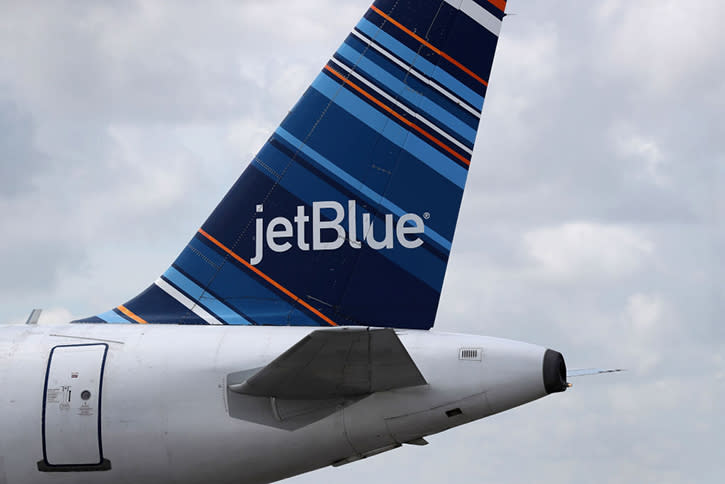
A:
346	362
34	316
591	371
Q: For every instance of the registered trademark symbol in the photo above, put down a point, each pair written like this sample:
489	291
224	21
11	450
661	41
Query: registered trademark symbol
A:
426	215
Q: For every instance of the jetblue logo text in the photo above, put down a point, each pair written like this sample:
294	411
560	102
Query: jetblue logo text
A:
281	232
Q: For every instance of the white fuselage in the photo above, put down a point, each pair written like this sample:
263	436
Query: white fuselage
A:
166	414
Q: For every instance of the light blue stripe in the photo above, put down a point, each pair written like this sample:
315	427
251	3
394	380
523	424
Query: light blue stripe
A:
436	112
392	131
357	184
393	45
113	317
199	295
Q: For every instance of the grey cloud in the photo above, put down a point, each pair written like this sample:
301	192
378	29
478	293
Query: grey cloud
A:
148	62
32	266
19	158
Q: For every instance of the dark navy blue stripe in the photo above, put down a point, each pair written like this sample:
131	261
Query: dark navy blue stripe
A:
412	81
348	192
402	37
263	303
491	8
234	217
394	301
402	113
372	206
456	34
399	52
245	292
426	53
384	202
407	166
309	188
309	184
470	44
372	159
418	262
359	149
324	278
252	287
91	320
120	314
192	299
201	296
234	320
369	114
411	91
190	270
411	57
155	306
427	18
235	284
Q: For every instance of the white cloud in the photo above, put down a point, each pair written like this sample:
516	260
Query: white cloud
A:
645	326
55	316
646	151
580	250
658	45
538	63
644	311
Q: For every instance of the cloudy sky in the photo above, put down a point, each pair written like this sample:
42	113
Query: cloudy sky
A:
592	221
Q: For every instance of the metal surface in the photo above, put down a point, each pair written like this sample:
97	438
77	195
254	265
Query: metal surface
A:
72	407
34	316
166	408
591	371
327	364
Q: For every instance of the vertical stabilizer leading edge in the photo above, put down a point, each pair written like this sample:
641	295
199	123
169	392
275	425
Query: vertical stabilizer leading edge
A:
347	214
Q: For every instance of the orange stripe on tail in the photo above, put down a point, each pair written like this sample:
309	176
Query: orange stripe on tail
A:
267	278
500	4
402	119
132	315
429	45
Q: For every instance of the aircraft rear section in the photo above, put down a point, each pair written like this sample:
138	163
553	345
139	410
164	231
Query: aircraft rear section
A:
346	216
174	413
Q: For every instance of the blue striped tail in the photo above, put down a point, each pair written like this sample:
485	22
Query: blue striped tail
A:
347	214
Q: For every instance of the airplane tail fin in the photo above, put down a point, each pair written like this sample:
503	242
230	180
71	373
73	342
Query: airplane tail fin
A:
347	214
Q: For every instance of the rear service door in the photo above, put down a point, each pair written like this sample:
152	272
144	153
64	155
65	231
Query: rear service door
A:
72	409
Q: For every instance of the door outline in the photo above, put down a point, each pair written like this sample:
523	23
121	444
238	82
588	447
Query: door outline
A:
104	464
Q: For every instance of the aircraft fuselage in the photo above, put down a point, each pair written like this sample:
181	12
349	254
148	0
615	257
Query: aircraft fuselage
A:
147	404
